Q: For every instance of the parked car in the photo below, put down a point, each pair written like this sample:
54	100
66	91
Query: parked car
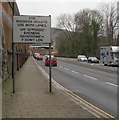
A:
53	61
82	58
93	60
39	57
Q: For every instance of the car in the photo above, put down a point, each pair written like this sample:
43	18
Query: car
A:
47	56
53	61
35	55
39	57
93	60
82	58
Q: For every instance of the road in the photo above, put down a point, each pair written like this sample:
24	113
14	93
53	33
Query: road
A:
95	86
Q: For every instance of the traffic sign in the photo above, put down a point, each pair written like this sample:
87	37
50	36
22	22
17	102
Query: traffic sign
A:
31	29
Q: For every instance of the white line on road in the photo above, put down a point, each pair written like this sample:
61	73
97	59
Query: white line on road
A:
91	77
75	72
94	64
60	66
66	68
112	84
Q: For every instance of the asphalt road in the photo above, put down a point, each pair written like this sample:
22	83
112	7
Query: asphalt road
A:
95	86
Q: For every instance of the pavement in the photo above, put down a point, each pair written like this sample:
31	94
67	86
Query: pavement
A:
33	100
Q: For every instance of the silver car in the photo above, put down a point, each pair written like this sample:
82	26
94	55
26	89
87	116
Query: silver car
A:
82	58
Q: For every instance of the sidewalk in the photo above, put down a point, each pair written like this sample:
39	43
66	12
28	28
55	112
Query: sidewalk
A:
33	100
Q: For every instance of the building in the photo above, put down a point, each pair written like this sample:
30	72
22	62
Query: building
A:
118	18
8	9
0	40
118	11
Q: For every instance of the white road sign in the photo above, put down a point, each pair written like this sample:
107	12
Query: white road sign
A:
31	29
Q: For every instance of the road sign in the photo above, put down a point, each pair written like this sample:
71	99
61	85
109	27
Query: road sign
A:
31	29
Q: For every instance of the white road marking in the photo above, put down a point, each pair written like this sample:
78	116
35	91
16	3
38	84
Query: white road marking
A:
60	66
94	64
66	68
90	107
112	84
75	72
91	77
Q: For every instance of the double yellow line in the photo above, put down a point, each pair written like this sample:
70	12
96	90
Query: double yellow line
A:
84	102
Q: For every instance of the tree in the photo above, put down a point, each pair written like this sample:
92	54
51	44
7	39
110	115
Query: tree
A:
89	29
109	26
67	24
88	23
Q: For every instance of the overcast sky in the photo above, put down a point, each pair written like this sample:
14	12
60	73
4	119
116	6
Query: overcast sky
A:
57	7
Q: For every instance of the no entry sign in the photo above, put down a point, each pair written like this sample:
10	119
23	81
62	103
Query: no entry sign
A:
31	29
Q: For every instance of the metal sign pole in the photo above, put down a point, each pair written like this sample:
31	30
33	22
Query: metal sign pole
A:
50	72
13	68
50	81
13	54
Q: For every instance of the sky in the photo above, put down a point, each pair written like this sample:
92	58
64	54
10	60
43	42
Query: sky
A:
57	7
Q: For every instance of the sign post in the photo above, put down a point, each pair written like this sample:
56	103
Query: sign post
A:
50	81
32	29
13	52
50	71
13	68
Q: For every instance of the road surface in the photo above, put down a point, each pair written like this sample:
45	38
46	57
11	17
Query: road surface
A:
95	86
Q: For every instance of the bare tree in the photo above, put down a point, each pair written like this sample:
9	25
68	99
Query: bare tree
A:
109	22
82	19
66	23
